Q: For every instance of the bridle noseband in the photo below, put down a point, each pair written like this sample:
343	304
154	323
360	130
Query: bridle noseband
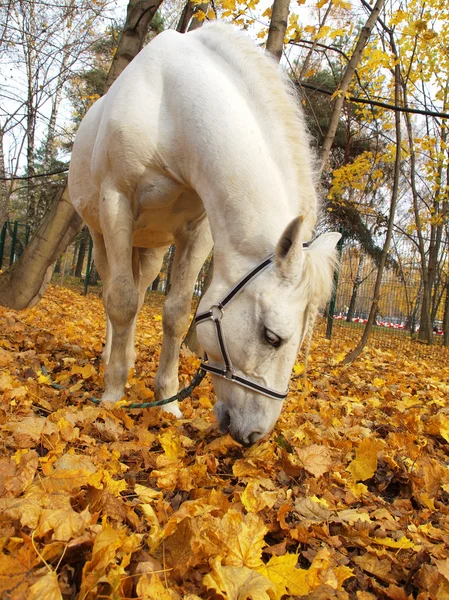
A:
216	314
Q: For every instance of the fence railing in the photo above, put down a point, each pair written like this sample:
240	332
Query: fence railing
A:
14	236
398	320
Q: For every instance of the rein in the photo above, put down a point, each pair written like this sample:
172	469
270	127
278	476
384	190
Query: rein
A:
181	395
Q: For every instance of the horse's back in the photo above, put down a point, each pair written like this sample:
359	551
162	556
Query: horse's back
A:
185	103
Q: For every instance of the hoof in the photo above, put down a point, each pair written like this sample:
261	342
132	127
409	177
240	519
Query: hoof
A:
173	409
109	398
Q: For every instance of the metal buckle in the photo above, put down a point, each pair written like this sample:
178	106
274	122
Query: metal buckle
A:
229	374
216	312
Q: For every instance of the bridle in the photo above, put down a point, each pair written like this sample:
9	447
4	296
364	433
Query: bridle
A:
215	314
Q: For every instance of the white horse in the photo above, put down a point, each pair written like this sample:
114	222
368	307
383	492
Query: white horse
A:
200	141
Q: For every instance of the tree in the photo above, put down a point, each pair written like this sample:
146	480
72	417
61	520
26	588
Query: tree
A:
23	284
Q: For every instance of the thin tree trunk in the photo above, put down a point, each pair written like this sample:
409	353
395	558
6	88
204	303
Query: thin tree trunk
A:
24	283
186	15
191	339
351	357
346	80
84	242
4	196
355	289
278	27
187	21
446	317
308	58
138	18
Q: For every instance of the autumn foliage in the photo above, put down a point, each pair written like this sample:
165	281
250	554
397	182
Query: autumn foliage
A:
348	498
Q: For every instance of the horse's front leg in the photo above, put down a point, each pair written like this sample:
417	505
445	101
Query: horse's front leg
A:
193	245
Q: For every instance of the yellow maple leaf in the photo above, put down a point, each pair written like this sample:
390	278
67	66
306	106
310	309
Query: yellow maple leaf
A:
150	587
242	538
44	378
238	583
65	524
402	543
282	571
171	445
365	464
254	499
46	588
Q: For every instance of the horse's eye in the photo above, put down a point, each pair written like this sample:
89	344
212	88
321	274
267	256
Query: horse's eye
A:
273	339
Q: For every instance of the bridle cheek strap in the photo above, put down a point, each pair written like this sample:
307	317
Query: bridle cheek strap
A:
216	314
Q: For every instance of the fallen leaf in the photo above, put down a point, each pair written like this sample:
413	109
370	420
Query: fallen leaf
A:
238	583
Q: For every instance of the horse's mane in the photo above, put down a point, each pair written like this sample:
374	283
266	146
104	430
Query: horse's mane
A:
270	89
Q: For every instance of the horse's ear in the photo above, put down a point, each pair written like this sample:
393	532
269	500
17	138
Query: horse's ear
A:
289	250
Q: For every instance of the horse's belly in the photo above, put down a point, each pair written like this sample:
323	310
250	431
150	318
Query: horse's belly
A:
148	238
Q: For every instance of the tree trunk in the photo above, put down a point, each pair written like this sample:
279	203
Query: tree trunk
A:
355	289
278	27
191	339
346	80
84	242
187	21
23	285
138	18
446	317
4	197
383	257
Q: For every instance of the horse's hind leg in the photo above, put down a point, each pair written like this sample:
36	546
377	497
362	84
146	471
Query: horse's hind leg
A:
146	266
102	266
121	296
193	244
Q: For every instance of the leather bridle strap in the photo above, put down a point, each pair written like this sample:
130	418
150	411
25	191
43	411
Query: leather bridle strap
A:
216	314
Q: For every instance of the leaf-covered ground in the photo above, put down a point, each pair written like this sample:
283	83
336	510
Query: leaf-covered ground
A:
348	498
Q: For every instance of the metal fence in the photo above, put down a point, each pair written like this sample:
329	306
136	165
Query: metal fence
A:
14	236
398	319
397	322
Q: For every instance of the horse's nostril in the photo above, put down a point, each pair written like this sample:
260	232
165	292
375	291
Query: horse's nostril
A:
253	437
222	414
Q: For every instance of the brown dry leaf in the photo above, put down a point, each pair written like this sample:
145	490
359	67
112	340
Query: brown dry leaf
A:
16	476
381	568
238	583
365	463
13	576
46	588
443	567
316	459
311	510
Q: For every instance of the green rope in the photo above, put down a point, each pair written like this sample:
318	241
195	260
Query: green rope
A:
182	395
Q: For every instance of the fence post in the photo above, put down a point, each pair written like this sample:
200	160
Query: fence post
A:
13	242
330	314
2	242
89	260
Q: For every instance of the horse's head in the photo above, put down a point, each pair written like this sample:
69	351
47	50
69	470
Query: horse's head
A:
252	333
